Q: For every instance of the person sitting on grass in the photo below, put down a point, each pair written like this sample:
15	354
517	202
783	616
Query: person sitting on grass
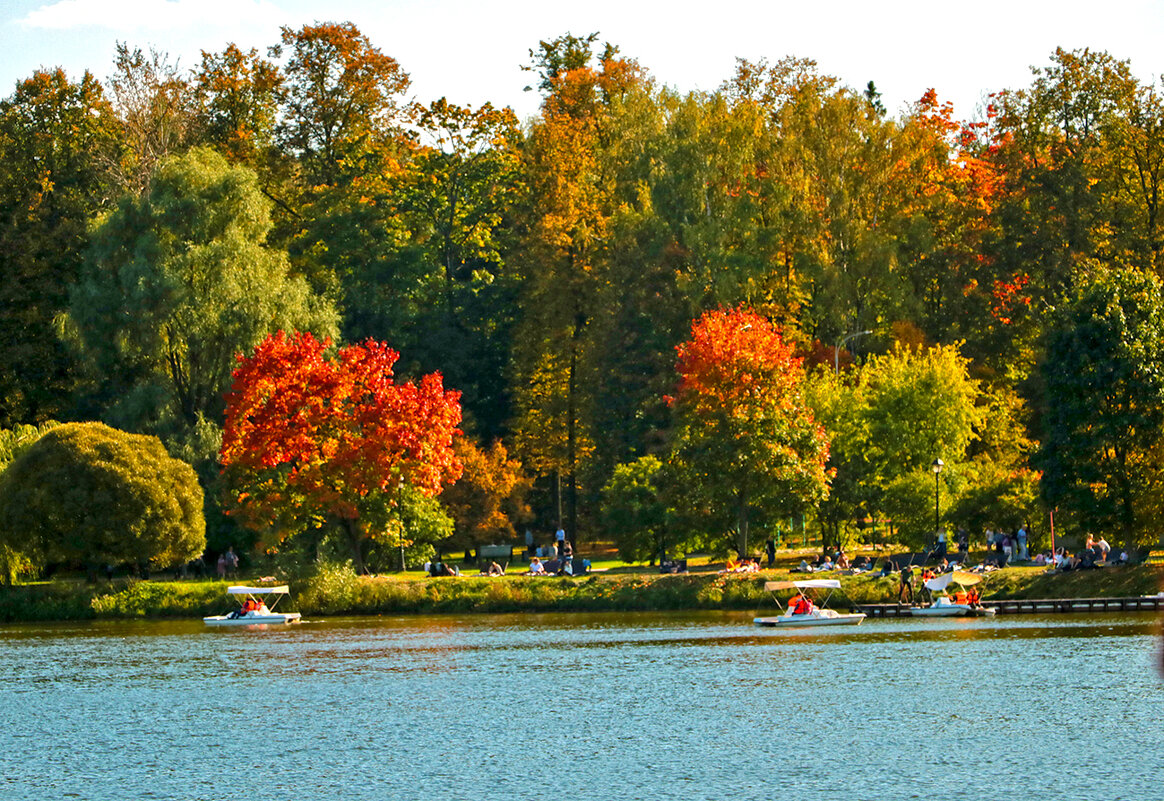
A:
536	568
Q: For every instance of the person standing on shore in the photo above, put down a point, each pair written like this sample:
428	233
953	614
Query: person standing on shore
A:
906	583
559	541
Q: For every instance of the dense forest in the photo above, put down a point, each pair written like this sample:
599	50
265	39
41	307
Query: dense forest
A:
985	292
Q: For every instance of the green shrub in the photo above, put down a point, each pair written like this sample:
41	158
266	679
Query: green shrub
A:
88	494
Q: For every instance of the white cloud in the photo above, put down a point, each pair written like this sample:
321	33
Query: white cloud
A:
152	15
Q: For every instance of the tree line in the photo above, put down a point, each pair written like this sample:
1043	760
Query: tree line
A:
994	282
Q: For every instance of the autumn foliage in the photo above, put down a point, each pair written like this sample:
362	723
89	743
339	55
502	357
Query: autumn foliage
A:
746	440
316	439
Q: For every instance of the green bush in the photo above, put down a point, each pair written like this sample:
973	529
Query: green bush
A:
88	494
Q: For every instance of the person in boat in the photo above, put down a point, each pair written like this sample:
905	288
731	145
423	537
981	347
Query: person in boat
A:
802	605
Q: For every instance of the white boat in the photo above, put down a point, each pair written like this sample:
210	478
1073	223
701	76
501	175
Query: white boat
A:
802	611
260	616
944	605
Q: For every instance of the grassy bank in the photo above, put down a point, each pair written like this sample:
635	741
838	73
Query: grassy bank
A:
339	592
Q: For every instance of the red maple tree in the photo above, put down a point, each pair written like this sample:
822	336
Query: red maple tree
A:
746	441
311	440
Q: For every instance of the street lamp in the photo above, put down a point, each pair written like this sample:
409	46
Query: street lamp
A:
937	468
837	349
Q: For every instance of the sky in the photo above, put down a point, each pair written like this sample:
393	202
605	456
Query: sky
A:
471	51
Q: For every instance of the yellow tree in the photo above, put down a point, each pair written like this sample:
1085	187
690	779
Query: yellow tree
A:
562	260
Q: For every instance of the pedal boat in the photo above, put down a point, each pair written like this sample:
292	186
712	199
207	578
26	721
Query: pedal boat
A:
263	616
944	605
817	616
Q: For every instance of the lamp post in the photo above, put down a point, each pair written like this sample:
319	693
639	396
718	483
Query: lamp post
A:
937	468
837	349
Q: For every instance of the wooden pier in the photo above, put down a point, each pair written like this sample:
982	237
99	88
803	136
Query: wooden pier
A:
1136	603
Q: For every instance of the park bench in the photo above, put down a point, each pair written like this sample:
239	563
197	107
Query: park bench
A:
494	553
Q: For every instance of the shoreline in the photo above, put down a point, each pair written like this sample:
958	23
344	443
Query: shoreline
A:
340	593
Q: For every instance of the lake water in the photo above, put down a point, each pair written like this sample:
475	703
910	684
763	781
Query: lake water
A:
645	706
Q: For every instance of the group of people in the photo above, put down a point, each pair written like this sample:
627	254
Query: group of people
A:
556	567
561	549
1009	547
251	605
837	560
1094	553
436	568
227	563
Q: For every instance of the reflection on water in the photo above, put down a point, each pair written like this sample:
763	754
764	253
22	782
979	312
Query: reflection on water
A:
591	707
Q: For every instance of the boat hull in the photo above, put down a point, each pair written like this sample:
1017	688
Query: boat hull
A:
951	610
796	621
280	619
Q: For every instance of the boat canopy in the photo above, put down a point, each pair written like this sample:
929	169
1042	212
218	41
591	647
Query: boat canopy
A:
832	584
282	589
958	577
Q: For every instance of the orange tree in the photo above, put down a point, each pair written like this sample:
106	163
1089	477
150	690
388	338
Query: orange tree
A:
313	441
746	446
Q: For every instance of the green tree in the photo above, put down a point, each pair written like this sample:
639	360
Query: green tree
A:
1103	402
424	263
888	422
88	494
177	282
635	512
52	134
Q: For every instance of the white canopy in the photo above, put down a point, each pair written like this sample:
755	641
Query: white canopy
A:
832	584
283	589
958	577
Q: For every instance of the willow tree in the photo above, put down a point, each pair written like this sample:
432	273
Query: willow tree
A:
179	280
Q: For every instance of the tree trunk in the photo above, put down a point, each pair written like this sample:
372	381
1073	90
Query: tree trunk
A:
355	541
742	524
